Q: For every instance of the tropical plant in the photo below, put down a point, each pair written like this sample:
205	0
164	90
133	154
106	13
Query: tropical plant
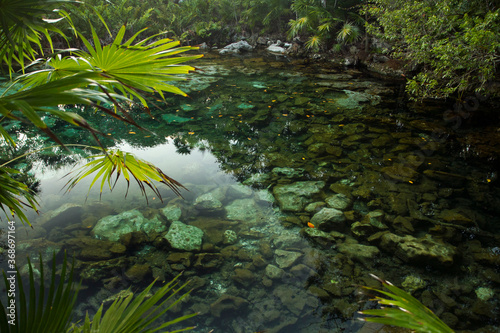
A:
52	311
454	45
403	310
320	20
103	77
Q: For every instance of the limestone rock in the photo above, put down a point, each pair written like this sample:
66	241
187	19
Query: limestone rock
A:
338	201
273	272
419	250
294	197
114	226
242	210
236	48
227	304
328	219
184	237
286	259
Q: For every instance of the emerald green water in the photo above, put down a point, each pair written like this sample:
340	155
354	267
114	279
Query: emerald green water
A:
263	146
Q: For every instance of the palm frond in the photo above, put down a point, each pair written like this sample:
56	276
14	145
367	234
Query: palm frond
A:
348	33
139	314
39	311
313	43
11	191
403	310
115	163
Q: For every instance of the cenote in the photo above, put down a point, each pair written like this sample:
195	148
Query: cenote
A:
301	180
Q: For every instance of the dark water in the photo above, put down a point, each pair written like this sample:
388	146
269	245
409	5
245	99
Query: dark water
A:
408	192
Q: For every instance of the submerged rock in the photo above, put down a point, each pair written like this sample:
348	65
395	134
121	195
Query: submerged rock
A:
227	304
419	250
67	214
184	237
296	196
243	210
285	259
112	227
328	219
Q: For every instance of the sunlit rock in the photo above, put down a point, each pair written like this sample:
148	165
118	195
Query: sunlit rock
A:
112	227
242	210
184	237
236	48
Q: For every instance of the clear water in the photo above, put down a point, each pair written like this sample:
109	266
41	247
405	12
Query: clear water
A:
252	126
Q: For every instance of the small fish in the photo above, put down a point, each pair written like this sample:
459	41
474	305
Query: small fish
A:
310	225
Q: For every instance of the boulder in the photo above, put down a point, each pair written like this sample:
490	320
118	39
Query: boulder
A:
114	226
242	210
294	197
273	272
227	304
328	219
209	202
338	201
236	48
285	259
419	250
275	48
172	212
67	214
184	237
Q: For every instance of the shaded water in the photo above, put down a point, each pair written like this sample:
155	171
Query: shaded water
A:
264	146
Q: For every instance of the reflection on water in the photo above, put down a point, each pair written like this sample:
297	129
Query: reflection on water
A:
302	180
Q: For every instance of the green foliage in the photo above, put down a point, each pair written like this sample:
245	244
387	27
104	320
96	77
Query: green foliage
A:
39	312
403	310
105	165
454	43
101	76
320	21
42	311
137	315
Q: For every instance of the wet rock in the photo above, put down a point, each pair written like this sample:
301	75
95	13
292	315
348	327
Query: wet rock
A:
413	283
314	207
419	250
285	259
209	202
400	172
227	304
328	219
243	276
302	272
455	217
293	299
183	258
288	172
67	214
238	191
243	210
257	179
359	252
236	48
296	196
172	212
112	227
230	237
322	238
138	272
375	219
264	196
338	201
184	237
484	294
208	261
275	48
274	272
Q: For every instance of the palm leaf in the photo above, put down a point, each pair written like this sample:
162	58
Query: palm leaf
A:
404	311
39	312
134	315
11	191
115	163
